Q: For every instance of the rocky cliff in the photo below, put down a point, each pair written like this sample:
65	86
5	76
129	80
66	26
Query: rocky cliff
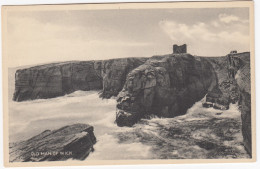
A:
52	80
243	79
165	86
226	91
58	79
69	142
234	85
114	72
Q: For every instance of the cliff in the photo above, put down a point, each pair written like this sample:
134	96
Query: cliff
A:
69	142
165	86
234	85
58	79
226	91
52	80
114	72
243	79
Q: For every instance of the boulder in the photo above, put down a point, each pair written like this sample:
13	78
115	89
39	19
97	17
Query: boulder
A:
69	142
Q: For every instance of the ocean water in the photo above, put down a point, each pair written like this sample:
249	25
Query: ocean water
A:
33	117
201	133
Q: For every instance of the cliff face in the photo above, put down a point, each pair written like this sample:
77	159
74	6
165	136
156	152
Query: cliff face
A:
74	141
114	73
244	83
165	86
234	84
52	80
58	79
226	91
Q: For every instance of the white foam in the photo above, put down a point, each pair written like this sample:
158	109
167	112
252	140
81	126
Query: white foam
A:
108	148
33	117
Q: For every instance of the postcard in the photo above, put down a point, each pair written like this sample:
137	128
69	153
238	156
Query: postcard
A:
128	83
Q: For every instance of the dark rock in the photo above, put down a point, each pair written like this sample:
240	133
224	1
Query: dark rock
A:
126	119
52	80
69	142
165	86
234	84
206	144
114	72
221	106
227	90
244	83
58	79
207	104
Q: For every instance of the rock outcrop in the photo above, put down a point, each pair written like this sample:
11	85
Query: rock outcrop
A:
244	83
234	85
165	86
114	72
69	142
52	80
226	90
58	79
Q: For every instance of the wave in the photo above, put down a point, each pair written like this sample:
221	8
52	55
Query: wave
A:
200	133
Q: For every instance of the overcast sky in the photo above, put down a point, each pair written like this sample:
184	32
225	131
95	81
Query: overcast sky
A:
46	36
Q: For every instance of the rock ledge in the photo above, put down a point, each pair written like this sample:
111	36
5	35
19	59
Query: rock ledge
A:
70	142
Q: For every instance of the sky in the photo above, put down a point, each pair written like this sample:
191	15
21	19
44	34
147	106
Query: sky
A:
35	37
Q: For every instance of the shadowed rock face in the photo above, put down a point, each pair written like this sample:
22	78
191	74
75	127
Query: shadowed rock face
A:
52	80
58	79
114	72
234	84
226	91
165	86
69	142
243	80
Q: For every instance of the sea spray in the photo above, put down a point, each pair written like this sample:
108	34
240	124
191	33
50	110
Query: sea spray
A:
200	133
30	118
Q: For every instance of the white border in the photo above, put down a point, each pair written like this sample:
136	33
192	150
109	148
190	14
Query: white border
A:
255	165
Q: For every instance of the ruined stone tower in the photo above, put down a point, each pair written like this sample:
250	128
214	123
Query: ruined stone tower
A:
179	49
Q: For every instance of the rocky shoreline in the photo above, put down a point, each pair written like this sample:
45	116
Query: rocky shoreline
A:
165	86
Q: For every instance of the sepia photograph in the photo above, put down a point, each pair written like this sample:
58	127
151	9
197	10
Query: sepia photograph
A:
126	83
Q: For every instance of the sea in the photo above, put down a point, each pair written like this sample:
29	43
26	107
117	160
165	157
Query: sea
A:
202	133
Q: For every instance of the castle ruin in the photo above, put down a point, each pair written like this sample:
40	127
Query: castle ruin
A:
179	49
